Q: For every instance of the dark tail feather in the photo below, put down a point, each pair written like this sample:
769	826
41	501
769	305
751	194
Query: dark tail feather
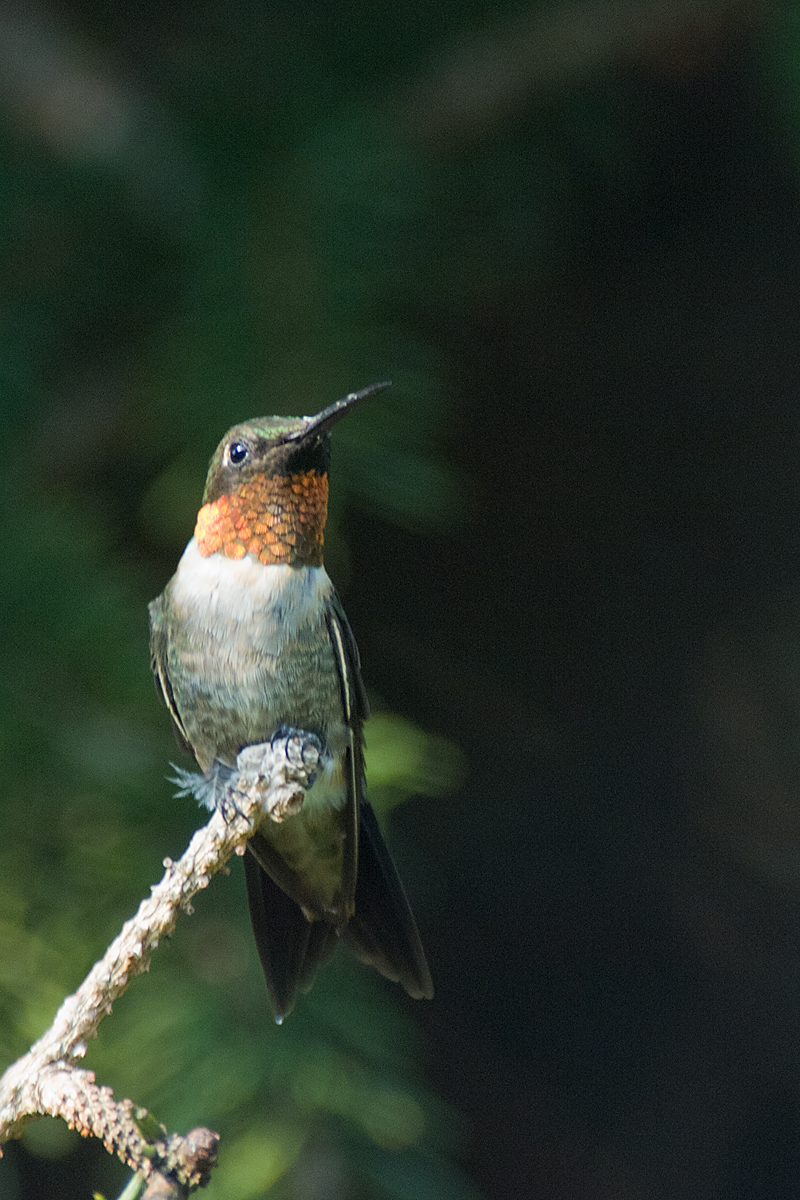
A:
289	946
382	932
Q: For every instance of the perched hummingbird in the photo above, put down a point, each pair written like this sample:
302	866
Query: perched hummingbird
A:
248	638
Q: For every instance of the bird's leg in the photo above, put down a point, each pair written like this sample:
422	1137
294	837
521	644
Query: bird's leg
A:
280	770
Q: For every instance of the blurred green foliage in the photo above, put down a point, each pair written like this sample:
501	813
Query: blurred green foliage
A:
212	211
183	249
86	821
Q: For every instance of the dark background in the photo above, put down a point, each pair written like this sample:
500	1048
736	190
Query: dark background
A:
567	541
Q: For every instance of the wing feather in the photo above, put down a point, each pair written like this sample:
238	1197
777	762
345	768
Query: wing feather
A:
382	930
159	665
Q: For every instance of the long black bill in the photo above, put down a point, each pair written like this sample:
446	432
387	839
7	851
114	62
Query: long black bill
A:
323	422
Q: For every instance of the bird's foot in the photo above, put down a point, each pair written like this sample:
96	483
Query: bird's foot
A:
303	749
281	770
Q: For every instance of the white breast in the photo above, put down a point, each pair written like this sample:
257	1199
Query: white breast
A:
278	599
257	637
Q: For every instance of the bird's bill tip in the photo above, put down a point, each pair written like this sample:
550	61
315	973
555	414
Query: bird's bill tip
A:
325	420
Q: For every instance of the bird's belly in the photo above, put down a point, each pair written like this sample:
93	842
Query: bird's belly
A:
249	651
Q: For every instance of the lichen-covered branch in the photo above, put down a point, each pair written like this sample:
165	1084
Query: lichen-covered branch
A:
183	1162
270	778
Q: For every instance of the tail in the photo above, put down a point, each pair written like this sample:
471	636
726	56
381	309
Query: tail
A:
289	946
382	930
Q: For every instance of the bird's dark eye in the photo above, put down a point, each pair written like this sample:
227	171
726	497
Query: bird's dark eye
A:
237	453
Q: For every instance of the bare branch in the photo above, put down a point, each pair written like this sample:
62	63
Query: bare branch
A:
271	778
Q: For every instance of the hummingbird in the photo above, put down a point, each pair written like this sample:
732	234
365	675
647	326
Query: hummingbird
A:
249	640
